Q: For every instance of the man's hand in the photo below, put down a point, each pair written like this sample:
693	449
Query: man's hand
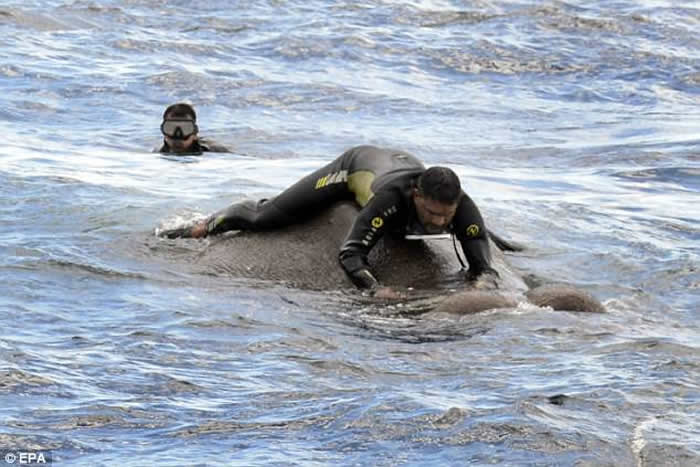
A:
487	280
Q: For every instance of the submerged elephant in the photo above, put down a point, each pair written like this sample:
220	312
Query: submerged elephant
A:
305	256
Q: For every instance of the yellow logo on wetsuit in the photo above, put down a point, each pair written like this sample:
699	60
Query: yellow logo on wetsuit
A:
472	230
377	222
335	177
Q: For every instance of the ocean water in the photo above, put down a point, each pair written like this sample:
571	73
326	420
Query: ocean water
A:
574	125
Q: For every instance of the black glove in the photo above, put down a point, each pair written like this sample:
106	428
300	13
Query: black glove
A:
364	279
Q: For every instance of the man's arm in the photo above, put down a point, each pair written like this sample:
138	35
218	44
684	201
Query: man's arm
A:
478	254
472	234
368	228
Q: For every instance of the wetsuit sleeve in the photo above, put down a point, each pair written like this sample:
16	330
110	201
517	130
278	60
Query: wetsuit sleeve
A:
473	236
368	228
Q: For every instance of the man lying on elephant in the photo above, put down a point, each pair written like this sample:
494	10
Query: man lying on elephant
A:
396	194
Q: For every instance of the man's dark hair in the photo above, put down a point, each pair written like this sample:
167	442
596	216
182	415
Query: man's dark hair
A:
180	110
440	184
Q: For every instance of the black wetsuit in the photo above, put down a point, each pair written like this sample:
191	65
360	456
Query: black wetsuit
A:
381	181
199	146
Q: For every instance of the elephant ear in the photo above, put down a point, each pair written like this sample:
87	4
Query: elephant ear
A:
564	297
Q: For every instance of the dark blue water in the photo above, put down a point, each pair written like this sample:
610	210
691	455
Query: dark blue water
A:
574	126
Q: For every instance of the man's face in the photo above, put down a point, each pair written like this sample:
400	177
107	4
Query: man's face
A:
179	133
435	216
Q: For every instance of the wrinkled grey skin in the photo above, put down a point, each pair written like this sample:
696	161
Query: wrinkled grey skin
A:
305	256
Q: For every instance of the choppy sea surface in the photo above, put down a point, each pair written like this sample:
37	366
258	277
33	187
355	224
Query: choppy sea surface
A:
574	125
